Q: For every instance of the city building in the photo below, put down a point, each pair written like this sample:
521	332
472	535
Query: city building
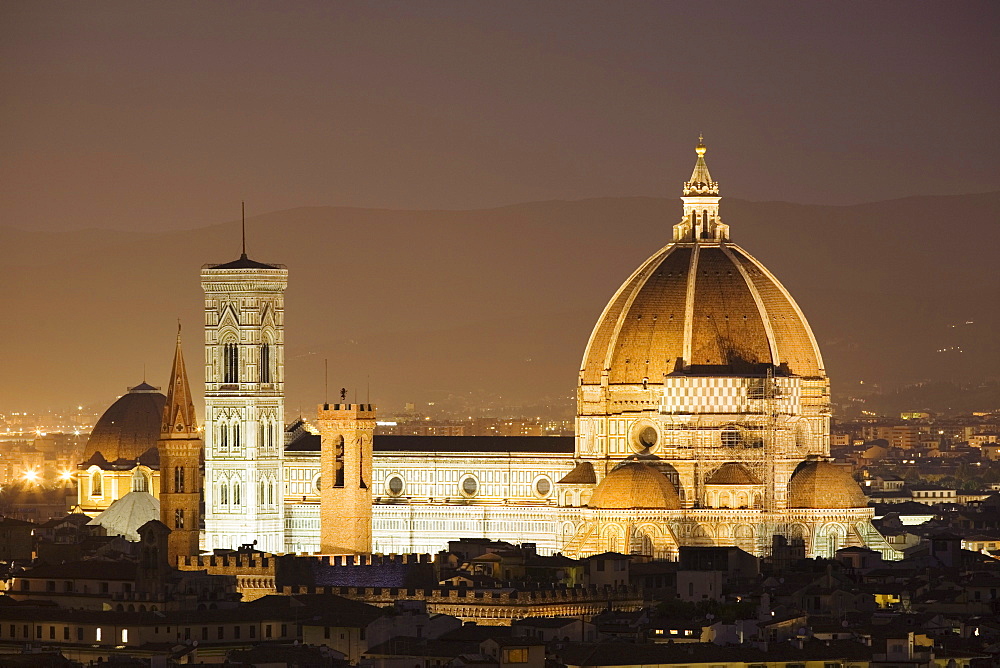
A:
703	420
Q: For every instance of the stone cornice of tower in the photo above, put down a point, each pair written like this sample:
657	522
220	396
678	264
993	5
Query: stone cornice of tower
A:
179	420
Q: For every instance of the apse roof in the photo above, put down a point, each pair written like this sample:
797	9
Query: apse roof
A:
124	516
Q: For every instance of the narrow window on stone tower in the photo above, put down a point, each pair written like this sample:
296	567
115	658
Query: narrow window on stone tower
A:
179	519
179	480
223	436
265	363
224	494
236	435
236	493
339	463
231	363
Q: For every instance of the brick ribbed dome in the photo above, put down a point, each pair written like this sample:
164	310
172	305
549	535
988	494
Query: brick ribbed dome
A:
710	309
129	427
821	484
635	486
701	305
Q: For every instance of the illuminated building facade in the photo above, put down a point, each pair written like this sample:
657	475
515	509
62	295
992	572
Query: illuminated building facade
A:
703	419
244	404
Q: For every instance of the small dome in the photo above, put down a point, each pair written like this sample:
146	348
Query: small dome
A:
821	484
129	427
127	514
635	486
732	474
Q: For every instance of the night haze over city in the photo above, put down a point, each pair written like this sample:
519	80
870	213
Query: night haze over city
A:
134	131
494	334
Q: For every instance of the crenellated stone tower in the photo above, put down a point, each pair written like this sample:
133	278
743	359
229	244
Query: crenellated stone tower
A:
346	432
244	404
181	447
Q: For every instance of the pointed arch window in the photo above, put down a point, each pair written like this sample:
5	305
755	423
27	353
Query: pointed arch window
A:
270	494
236	492
230	363
265	363
223	436
224	494
96	484
179	480
236	436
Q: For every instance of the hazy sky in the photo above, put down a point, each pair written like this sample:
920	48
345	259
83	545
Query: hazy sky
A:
165	115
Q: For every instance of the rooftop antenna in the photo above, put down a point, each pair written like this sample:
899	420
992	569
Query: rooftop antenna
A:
243	208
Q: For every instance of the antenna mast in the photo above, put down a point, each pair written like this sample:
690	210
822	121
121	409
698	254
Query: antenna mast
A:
243	210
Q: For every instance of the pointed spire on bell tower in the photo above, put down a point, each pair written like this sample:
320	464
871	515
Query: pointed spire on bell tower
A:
178	411
701	222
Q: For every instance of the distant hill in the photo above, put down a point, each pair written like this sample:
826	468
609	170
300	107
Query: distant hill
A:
427	304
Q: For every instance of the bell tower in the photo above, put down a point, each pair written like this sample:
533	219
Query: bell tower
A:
346	432
180	446
244	404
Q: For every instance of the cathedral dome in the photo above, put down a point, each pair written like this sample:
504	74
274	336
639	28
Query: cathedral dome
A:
635	486
701	305
820	484
732	473
129	427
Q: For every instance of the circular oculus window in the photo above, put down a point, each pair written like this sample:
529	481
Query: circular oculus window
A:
644	438
395	485
470	486
543	486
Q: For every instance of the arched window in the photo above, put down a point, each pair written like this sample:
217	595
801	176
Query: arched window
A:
96	485
139	483
260	493
236	435
236	493
223	436
265	363
179	479
224	494
230	363
270	494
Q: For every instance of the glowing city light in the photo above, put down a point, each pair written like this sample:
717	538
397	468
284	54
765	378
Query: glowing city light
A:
31	475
